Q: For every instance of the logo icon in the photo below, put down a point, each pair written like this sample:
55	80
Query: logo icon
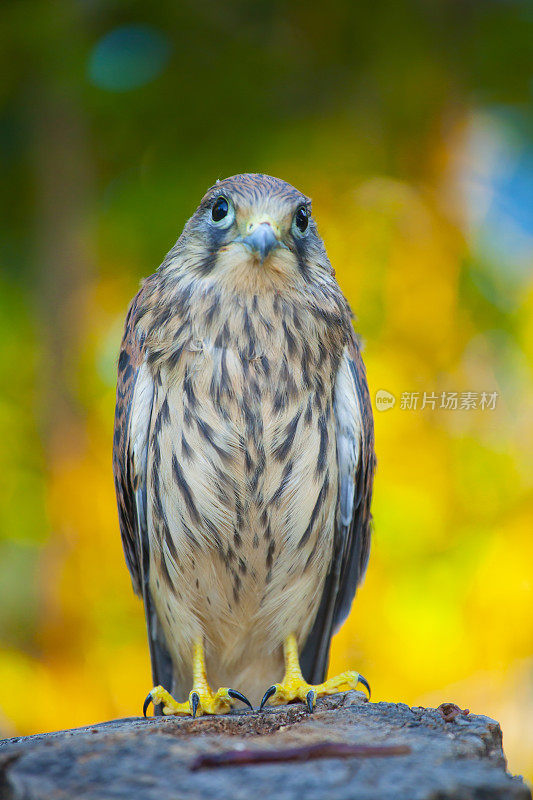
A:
384	400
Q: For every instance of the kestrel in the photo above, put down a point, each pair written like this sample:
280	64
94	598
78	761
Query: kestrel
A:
243	455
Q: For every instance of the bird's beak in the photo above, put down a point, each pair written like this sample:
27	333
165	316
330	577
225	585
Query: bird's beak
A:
261	240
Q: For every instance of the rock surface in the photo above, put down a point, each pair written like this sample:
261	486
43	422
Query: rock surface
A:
155	759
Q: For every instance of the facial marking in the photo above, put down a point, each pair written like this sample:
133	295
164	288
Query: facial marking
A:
255	220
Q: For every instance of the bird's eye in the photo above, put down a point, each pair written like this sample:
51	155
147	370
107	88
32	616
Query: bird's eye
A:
301	219
220	209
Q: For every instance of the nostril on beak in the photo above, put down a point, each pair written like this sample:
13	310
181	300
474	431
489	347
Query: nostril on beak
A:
253	225
262	240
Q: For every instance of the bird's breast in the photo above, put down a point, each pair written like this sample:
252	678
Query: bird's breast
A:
244	479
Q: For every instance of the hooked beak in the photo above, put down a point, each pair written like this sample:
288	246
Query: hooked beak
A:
262	240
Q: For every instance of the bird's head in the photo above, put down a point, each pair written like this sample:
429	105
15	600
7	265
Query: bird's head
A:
252	229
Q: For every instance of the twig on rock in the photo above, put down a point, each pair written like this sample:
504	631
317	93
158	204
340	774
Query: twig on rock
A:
232	758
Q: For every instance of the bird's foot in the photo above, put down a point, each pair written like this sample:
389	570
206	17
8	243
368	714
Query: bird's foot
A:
201	699
298	689
200	702
294	687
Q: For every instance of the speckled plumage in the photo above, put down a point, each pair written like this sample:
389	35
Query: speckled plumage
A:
243	452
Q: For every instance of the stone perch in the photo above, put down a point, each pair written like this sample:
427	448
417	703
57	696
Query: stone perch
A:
348	749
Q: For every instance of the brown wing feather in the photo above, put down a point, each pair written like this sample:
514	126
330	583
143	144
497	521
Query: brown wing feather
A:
358	545
131	496
352	543
128	366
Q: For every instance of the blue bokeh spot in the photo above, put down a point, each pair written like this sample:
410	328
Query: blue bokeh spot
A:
128	57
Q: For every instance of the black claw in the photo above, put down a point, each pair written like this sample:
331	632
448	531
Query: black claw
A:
268	694
147	703
365	684
238	696
309	697
195	700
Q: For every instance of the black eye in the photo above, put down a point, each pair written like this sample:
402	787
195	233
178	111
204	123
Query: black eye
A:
302	219
220	209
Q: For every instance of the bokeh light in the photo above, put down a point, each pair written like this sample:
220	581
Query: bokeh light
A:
128	57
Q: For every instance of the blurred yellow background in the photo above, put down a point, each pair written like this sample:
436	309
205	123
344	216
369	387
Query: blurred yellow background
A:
410	126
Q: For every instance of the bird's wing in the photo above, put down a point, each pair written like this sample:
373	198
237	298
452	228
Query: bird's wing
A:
135	392
356	461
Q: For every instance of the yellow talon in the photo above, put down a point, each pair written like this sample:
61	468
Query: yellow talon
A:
294	687
201	699
158	696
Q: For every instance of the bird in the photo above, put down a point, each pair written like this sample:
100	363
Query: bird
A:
243	455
